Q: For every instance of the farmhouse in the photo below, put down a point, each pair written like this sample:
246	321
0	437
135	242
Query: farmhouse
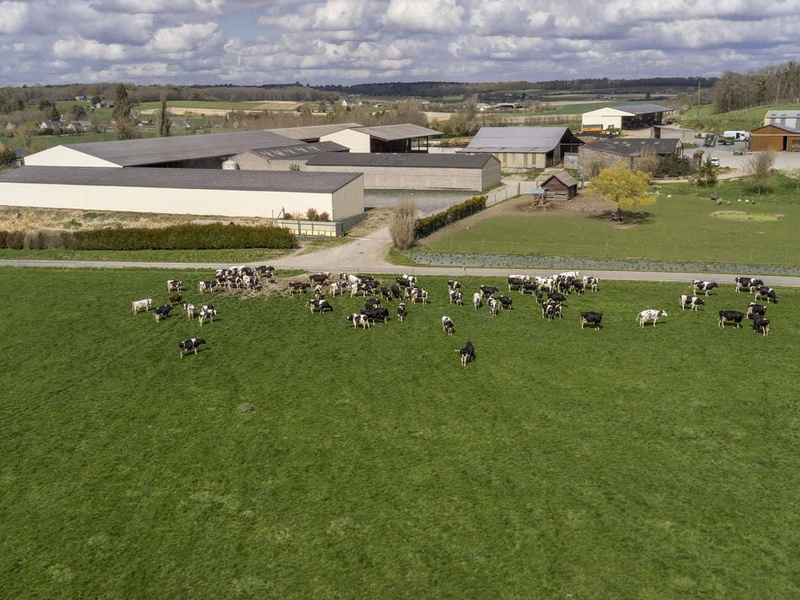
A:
778	138
624	117
609	151
524	147
219	192
783	116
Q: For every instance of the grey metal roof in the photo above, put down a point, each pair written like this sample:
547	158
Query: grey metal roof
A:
782	113
516	139
642	109
149	151
785	128
564	177
312	133
403	131
413	159
632	147
299	150
198	179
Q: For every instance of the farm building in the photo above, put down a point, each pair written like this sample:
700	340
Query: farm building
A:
783	116
671	132
474	172
524	147
560	185
778	138
628	150
384	138
621	118
284	158
215	192
313	133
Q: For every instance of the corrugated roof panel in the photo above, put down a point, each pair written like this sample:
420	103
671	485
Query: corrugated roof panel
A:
199	179
516	139
403	131
413	159
312	133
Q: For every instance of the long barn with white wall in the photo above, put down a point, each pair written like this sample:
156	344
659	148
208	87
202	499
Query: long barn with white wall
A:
202	192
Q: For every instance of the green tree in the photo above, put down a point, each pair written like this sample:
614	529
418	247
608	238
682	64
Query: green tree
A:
78	111
122	113
164	122
706	175
623	187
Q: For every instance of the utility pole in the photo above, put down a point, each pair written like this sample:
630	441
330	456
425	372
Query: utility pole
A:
698	100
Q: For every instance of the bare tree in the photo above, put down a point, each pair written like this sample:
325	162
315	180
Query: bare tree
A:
401	228
758	169
164	122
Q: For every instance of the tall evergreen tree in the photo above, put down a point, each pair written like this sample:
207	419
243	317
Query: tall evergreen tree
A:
122	113
164	123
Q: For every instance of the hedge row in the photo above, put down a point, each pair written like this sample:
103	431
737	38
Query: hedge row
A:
178	237
456	212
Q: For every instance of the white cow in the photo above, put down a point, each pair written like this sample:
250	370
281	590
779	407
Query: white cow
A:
144	305
651	314
477	298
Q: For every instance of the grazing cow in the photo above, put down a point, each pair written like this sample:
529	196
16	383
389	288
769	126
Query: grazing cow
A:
691	301
335	288
174	285
318	291
453	285
419	295
359	320
448	326
570	274
144	305
467	353
552	309
651	314
578	287
528	286
401	311
175	298
730	316
494	306
754	309
207	313
591	318
455	297
545	283
488	290
703	286
359	288
476	300
751	284
377	313
318	278
319	306
162	312
590	283
516	282
505	302
207	286
189	309
395	289
556	297
765	293
298	287
385	293
265	271
190	345
250	282
761	325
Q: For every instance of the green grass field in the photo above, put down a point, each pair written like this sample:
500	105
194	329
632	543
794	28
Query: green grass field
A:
562	463
705	119
682	228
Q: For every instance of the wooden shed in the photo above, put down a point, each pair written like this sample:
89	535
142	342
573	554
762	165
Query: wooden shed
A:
560	185
778	138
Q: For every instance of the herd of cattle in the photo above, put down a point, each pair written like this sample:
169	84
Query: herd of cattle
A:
550	293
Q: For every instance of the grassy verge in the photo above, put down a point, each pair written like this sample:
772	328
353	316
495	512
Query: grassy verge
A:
621	463
152	256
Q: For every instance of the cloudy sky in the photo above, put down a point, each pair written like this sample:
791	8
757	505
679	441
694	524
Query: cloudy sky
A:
357	41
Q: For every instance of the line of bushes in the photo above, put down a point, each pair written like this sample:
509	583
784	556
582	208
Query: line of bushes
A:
428	225
177	237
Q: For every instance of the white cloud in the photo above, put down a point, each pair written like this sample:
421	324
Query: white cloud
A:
424	16
14	17
78	48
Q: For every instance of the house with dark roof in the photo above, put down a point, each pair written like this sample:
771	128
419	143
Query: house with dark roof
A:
629	150
524	148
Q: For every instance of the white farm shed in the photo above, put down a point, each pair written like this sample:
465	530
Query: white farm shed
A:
783	116
624	117
524	147
384	138
268	194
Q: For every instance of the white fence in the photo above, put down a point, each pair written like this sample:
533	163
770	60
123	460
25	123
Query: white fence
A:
312	228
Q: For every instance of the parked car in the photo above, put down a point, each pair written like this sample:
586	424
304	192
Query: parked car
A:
714	160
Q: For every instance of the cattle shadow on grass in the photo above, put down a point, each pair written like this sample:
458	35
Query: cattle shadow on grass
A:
628	217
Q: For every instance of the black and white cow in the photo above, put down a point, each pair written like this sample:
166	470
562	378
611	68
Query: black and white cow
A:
319	305
401	312
749	284
190	345
266	271
207	313
139	305
766	293
174	285
754	309
318	278
207	286
372	303
456	297
494	306
505	302
448	326
298	287
516	282
162	312
651	314
556	297
453	285
395	289
419	295
703	286
730	316
467	353
591	318
552	309
488	290
691	301
359	320
377	313
590	282
529	286
761	325
385	293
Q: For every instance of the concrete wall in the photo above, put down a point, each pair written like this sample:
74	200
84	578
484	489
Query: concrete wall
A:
355	140
418	178
344	203
521	160
60	156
